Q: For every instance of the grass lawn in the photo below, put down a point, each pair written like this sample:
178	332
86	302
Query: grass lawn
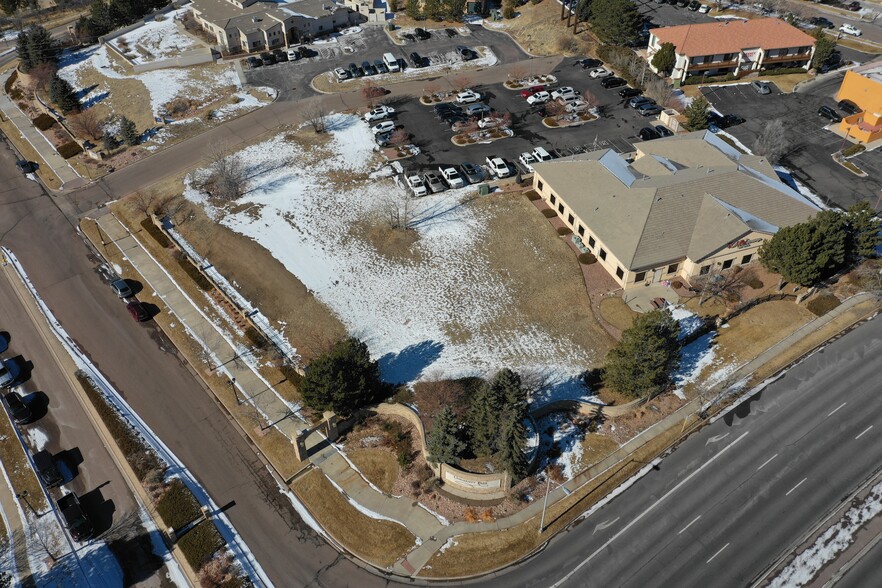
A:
18	467
29	153
617	312
380	542
759	328
540	31
379	466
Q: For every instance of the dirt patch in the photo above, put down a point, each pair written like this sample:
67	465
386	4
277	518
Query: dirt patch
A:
540	30
377	465
597	447
397	244
622	429
617	312
380	542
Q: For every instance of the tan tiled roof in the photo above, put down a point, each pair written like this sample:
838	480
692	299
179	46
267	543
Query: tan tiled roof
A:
731	36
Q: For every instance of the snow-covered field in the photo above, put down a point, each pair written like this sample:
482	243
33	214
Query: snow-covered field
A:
156	40
434	314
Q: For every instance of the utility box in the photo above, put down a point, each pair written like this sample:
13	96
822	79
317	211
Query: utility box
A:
483	189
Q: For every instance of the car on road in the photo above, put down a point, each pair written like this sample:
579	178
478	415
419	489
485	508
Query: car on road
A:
468	97
527	159
600	72
433	182
465	53
138	311
539	98
852	30
563	92
821	22
498	167
649	109
705	8
379	113
476	109
627	93
638	100
664	131
648	134
473	173
589	63
541	154
612	82
416	59
451	176
75	519
531	90
341	74
9	373
829	114
417	186
384	127
848	107
121	288
25	166
422	34
760	87
16	408
44	465
854	6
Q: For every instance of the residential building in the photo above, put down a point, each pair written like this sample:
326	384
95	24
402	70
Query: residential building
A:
733	47
256	25
681	207
863	86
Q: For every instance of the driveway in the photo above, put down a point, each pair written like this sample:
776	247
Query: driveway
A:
811	143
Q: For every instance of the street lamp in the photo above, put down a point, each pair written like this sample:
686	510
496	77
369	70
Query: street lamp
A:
232	383
545	502
23	495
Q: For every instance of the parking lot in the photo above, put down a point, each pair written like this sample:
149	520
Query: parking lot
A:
616	129
292	78
811	143
665	15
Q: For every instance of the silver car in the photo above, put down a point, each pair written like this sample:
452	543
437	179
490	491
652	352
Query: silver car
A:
433	182
121	288
760	87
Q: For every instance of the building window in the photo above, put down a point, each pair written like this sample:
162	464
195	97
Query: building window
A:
705	269
570	219
591	242
321	27
639	276
620	273
672	269
581	231
540	185
602	253
560	208
746	259
727	264
254	43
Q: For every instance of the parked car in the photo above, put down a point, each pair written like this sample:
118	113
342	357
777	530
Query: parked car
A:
589	63
355	71
760	87
854	6
9	373
280	55
433	182
612	82
450	33
44	465
254	62
638	100
627	93
267	58
541	154
600	72
539	98
409	37
498	167
383	139
848	107
527	160
380	66
531	90
694	5
489	123
682	3
649	109
447	107
563	91
422	34
472	172
451	176
121	288
821	22
468	97
648	134
379	113
476	109
465	53
851	30
829	114
384	127
416	185
705	8
25	166
75	519
137	310
664	131
416	59
293	53
368	68
341	74
16	408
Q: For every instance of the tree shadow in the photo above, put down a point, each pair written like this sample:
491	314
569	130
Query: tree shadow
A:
98	509
410	362
133	548
742	411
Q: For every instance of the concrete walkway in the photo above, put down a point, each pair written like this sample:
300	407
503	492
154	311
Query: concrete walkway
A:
69	177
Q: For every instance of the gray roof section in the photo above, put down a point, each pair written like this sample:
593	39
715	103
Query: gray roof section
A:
659	215
227	15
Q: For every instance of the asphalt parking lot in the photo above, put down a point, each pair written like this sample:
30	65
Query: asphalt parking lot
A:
292	78
666	15
811	143
616	129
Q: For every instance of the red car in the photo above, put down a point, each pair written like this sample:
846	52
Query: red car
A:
138	312
530	91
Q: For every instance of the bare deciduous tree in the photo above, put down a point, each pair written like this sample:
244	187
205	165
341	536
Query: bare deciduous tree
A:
42	74
431	88
772	143
315	116
370	91
87	123
226	177
433	395
869	277
397	209
144	201
660	91
399	138
721	286
555	109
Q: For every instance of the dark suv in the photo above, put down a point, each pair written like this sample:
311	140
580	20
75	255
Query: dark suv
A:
44	465
848	107
612	82
829	114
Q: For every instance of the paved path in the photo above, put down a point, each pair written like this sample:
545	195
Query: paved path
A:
60	167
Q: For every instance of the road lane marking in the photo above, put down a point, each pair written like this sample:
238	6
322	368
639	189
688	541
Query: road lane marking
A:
765	463
605	524
717	553
795	487
864	431
716	438
651	507
689	525
837	408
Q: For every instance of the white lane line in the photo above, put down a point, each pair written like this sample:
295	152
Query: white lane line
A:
689	525
864	431
585	561
837	408
795	487
717	553
765	463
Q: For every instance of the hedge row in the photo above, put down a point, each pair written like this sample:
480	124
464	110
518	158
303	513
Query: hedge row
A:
155	232
783	71
178	506
70	149
43	121
692	80
191	270
854	149
200	543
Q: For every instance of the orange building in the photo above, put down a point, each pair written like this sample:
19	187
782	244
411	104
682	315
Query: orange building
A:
863	86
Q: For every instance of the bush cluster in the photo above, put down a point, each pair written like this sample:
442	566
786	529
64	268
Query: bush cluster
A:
853	150
783	71
191	270
155	232
43	121
691	80
70	149
822	304
177	506
587	258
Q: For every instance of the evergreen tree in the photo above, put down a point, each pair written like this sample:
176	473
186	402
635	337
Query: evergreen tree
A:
433	9
483	420
806	252
617	22
508	9
22	49
129	132
513	444
109	141
645	359
454	9
443	443
511	439
62	94
824	47
864	230
41	46
9	6
696	114
665	59
413	9
343	380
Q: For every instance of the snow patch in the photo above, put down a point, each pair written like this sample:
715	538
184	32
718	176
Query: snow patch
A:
37	438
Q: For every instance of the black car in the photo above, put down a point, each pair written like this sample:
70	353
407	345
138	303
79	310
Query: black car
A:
588	62
254	62
848	107
648	134
25	166
694	5
409	37
829	113
451	33
854	6
280	55
465	53
44	465
305	52
731	120
416	59
17	409
612	82
664	131
422	34
355	71
628	93
267	58
820	21
381	67
714	120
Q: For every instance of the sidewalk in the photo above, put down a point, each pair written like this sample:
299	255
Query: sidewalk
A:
68	176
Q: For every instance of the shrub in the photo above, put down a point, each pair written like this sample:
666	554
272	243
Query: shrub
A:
403	395
755	283
156	233
782	71
200	544
255	337
10	81
677	284
44	121
70	149
691	80
532	195
191	270
16	94
587	258
564	231
853	150
549	213
822	304
177	506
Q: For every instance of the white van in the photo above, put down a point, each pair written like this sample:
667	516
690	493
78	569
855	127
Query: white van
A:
391	62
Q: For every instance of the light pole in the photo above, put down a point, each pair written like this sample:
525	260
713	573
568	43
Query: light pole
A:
232	383
545	501
23	495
